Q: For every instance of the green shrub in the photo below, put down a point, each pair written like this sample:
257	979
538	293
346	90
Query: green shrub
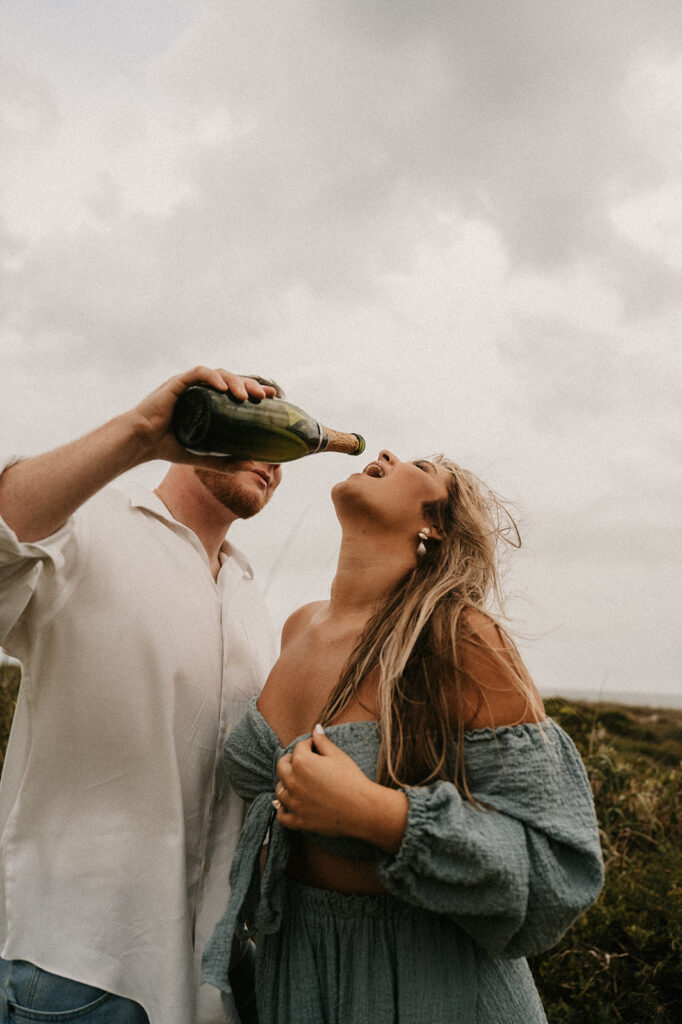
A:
622	960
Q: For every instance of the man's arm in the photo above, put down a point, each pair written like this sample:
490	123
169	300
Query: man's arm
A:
37	495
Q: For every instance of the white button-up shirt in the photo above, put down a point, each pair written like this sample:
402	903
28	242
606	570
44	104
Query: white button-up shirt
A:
116	827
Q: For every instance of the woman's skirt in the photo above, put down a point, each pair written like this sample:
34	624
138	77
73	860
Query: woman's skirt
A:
351	959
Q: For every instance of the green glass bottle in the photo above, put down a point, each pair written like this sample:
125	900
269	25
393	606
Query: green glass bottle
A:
210	422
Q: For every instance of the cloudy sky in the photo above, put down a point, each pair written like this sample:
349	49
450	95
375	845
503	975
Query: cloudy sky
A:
449	226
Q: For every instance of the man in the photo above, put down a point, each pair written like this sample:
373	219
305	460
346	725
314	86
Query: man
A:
142	636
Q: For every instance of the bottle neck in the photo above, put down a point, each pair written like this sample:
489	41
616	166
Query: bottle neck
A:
337	441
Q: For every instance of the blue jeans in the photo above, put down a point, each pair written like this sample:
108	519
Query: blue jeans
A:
29	994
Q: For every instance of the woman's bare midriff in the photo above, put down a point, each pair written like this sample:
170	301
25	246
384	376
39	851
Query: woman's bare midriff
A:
312	865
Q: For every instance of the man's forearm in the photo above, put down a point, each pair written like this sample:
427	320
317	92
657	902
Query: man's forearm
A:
38	494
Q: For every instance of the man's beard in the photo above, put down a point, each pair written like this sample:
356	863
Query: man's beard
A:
227	489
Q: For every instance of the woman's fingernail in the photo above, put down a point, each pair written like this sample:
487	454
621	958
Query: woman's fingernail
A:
277	805
319	729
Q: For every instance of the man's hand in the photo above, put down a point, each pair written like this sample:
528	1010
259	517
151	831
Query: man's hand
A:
151	419
37	495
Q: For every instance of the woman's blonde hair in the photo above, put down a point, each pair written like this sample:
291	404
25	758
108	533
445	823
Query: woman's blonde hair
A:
413	642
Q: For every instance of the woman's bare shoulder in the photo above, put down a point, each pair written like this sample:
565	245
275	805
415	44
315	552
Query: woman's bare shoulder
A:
288	699
498	689
300	619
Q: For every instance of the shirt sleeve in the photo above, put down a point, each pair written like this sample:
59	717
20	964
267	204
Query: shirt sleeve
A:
516	873
33	578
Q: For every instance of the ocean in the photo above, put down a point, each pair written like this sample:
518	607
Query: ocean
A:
631	698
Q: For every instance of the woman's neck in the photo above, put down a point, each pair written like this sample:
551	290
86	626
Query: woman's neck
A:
369	566
193	506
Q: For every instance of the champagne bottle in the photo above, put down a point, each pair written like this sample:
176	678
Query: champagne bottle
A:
210	422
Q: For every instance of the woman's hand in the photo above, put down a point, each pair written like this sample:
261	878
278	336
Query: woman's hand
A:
321	789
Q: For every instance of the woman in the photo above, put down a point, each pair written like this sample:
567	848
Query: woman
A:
431	827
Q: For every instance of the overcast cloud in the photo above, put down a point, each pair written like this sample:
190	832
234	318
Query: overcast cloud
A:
449	226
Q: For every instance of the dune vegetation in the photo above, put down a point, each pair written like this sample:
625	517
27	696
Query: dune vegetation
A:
622	960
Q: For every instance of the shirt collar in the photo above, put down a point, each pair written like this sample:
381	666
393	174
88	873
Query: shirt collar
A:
142	497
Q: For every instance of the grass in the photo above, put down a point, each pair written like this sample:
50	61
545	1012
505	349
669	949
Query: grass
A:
622	960
621	963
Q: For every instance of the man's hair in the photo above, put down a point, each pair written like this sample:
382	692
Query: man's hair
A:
269	381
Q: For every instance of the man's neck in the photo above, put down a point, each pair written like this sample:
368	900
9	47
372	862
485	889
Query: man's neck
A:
194	506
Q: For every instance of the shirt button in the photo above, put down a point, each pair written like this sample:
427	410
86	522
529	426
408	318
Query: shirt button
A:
223	727
207	865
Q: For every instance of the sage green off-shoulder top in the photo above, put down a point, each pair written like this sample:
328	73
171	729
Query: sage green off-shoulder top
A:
513	877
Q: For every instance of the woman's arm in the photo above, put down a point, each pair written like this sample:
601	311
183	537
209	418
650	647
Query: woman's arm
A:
332	796
515	870
321	789
514	873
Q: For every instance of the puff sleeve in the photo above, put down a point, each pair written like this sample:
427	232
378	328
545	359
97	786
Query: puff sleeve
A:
515	873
